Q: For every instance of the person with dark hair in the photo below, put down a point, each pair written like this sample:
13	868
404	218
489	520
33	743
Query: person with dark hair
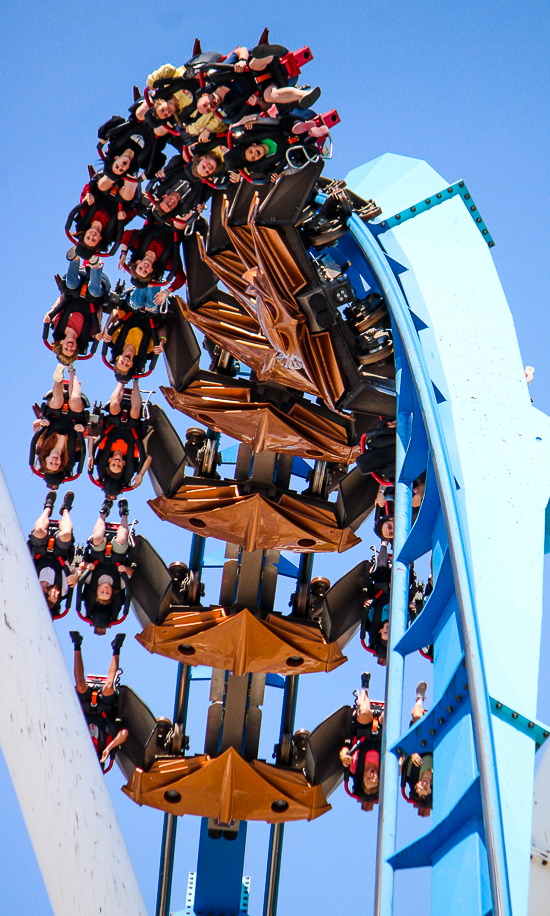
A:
76	315
260	146
53	551
155	250
129	146
376	615
384	511
59	430
99	701
105	582
177	194
134	337
118	453
363	758
417	770
98	221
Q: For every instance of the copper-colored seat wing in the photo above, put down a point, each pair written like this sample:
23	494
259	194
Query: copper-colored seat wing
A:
242	642
252	521
263	425
235	330
228	789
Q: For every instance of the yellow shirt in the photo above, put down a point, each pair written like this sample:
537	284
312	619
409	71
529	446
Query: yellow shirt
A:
167	71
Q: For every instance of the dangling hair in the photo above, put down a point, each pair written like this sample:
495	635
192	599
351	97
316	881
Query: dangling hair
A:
45	444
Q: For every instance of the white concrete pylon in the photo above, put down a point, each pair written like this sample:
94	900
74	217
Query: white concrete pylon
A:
52	762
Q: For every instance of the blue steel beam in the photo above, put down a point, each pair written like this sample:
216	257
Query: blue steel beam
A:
428	395
481	712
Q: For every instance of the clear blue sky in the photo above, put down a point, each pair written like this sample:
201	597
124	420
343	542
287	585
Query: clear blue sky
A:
463	86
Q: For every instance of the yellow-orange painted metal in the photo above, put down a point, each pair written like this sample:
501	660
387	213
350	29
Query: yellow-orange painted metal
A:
242	642
228	789
262	425
253	521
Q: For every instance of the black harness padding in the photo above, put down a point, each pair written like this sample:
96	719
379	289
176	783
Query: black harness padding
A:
409	777
137	136
277	73
153	231
369	741
133	320
90	325
62	423
131	432
106	564
102	713
279	130
86	215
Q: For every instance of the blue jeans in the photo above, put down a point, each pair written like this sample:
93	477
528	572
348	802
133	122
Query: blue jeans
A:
144	298
73	278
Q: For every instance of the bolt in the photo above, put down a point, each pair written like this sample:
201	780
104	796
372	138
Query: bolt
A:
383	224
530	725
460	184
449	708
546	734
413	209
441	720
515	715
398	216
400	750
439	196
478	220
428	200
467	197
450	190
499	705
432	731
458	698
473	208
491	244
466	686
423	743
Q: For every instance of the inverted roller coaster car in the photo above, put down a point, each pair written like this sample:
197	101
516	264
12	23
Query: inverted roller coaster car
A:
253	521
242	642
227	789
268	417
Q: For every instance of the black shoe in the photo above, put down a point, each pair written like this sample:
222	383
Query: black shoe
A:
76	638
50	499
365	680
117	642
106	507
68	501
309	100
71	254
123	508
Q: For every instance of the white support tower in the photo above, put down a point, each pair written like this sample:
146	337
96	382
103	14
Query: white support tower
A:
51	759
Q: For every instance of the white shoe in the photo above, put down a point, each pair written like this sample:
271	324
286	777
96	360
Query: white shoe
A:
58	373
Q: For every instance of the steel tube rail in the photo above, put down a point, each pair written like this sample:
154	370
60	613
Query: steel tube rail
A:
181	702
481	711
389	783
283	756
